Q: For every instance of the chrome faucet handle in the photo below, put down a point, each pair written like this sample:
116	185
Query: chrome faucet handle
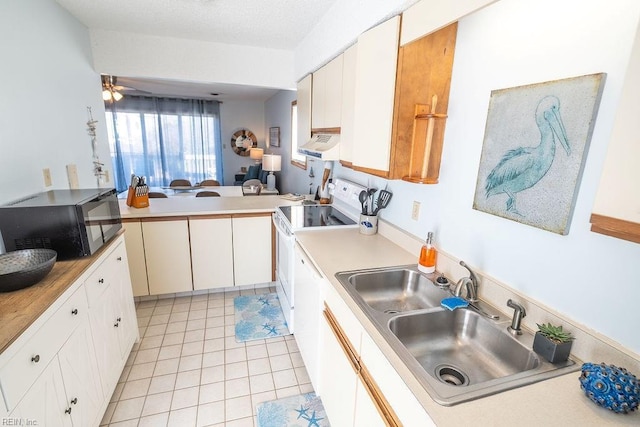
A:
472	287
518	314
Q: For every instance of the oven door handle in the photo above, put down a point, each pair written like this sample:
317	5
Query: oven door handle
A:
281	230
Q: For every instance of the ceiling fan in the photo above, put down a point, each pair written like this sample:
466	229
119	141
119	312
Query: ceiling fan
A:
111	91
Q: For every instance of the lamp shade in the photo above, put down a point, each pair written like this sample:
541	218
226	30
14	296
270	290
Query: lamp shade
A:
256	153
272	162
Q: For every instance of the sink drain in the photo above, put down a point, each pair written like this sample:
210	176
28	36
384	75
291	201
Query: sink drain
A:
451	375
391	311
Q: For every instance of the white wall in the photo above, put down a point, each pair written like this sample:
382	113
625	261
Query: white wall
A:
591	278
233	117
137	55
278	114
47	84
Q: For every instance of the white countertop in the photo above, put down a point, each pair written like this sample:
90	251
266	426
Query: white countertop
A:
186	206
554	402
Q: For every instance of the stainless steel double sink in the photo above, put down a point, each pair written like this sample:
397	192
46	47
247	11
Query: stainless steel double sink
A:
457	355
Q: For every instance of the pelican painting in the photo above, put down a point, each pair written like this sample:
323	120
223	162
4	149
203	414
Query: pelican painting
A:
523	167
535	145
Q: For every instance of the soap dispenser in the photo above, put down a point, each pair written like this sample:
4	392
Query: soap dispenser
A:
427	262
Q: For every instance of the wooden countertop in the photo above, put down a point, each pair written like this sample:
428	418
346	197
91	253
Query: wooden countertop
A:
19	309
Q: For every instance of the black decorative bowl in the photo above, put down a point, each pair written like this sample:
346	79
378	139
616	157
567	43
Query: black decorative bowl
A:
24	268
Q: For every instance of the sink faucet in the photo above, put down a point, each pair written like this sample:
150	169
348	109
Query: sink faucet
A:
470	283
518	313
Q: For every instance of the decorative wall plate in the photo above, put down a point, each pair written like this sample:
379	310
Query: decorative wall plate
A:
242	141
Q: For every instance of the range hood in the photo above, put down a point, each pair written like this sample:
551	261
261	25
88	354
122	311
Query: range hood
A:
323	146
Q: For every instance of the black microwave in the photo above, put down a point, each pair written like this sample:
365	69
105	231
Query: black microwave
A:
74	223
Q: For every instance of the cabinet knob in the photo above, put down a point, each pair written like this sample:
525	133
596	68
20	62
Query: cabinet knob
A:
115	325
68	410
119	258
36	358
74	401
100	280
74	311
119	319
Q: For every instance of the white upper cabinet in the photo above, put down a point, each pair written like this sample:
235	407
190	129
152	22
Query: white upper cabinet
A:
616	211
374	95
326	99
347	135
303	103
427	16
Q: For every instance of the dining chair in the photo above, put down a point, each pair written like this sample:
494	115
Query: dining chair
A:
180	183
157	195
251	187
207	194
210	183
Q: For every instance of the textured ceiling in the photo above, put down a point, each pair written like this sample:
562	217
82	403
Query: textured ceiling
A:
277	24
274	24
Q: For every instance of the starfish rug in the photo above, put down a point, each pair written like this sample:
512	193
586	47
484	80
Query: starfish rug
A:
304	410
259	317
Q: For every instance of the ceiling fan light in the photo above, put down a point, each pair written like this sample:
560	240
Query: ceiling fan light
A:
106	95
117	96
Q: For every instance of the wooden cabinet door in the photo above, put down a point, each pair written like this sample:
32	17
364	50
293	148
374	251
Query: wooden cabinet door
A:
375	88
45	402
80	374
252	249
211	251
166	245
135	254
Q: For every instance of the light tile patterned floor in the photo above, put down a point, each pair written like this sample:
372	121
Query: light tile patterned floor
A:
188	370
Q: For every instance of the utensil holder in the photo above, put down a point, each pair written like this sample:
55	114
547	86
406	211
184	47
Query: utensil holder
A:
368	224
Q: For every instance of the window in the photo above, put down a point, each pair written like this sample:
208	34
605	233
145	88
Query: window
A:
299	160
164	139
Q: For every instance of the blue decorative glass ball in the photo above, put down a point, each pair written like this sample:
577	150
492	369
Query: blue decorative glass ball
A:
610	387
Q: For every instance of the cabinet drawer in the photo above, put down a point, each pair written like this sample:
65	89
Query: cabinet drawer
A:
28	363
102	276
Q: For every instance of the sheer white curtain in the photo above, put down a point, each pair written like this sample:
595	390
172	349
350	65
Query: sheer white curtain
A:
164	139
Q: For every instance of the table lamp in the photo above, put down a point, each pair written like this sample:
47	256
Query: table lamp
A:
256	154
271	163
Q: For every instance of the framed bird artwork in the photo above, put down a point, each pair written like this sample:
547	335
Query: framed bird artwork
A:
535	146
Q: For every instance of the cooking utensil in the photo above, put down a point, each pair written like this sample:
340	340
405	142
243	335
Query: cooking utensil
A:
363	201
370	193
383	201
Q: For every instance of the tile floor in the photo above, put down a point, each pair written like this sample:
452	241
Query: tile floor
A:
188	370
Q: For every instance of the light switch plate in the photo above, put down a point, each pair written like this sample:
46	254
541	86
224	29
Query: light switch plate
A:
46	174
415	212
72	174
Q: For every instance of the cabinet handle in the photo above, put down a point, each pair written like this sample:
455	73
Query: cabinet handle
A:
100	280
119	258
115	325
74	401
68	410
74	311
36	358
119	319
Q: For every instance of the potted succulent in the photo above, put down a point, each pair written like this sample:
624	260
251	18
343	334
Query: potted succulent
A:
552	342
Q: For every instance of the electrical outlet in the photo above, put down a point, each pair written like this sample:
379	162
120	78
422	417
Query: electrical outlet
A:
415	212
46	174
72	174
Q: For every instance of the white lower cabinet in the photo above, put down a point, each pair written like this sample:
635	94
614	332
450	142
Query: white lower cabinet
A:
252	249
168	255
371	393
308	312
81	378
45	403
211	251
63	369
135	251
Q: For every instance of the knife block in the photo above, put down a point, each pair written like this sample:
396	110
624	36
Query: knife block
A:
138	197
